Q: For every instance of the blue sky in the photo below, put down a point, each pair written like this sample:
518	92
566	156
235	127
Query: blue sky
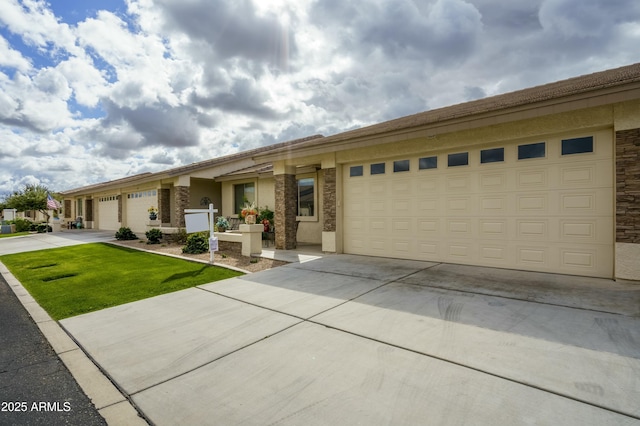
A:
94	91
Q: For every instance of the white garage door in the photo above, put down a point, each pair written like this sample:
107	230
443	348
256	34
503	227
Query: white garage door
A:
108	213
137	206
541	206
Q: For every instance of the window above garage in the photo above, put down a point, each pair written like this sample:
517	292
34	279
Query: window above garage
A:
494	155
532	150
458	159
577	145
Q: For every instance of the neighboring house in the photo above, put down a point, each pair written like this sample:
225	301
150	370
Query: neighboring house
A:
543	179
125	202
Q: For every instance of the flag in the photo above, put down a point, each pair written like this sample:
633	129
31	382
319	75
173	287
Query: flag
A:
51	203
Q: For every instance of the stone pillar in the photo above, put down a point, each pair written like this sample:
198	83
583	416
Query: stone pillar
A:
285	211
88	210
628	204
120	208
164	205
67	209
182	194
329	200
88	216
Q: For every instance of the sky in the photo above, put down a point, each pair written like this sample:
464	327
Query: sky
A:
92	91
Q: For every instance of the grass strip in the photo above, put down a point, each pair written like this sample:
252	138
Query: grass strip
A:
74	280
16	234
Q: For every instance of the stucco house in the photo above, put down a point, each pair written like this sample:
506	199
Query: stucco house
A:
543	179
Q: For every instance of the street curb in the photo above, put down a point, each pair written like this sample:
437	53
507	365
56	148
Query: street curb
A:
111	404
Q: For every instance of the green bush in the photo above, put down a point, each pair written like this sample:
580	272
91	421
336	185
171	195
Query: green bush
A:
153	236
125	234
41	228
22	225
196	244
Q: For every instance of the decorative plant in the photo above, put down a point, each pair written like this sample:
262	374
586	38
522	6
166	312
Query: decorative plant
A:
125	234
153	213
249	209
266	214
266	218
153	236
222	222
196	244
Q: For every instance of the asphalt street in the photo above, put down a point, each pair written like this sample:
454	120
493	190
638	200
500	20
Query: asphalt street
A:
35	386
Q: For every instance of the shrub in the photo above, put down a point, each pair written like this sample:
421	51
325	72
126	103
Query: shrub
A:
265	214
22	225
41	228
153	236
196	244
125	234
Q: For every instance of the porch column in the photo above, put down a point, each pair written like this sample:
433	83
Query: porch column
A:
331	207
164	205
329	210
628	204
286	207
182	196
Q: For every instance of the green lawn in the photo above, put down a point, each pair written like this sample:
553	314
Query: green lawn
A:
17	234
75	280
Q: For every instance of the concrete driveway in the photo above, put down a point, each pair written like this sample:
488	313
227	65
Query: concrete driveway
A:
361	340
33	242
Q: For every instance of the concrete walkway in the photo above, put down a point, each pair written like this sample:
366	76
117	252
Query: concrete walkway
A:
359	340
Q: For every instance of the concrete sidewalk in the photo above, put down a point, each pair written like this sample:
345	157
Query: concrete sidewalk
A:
360	340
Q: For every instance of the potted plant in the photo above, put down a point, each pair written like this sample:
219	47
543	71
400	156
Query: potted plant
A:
222	223
266	218
153	213
249	213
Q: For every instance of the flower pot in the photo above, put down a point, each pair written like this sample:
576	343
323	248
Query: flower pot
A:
221	229
250	219
153	216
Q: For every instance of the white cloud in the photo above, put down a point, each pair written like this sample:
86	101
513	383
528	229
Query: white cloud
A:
12	58
169	82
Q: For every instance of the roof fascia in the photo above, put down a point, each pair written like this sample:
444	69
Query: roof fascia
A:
568	103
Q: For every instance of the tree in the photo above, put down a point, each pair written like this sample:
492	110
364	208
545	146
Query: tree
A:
32	197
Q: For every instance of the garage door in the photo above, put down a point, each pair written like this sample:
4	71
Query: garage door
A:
137	206
541	205
108	213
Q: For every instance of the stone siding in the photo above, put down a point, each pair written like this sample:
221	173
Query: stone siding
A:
285	211
89	210
164	205
119	208
628	186
329	200
67	209
182	194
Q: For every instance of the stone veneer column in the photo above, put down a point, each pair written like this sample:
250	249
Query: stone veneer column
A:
182	194
329	200
120	208
628	204
164	205
285	211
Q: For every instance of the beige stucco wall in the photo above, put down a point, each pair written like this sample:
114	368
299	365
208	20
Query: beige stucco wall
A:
266	193
627	265
430	141
627	115
204	188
